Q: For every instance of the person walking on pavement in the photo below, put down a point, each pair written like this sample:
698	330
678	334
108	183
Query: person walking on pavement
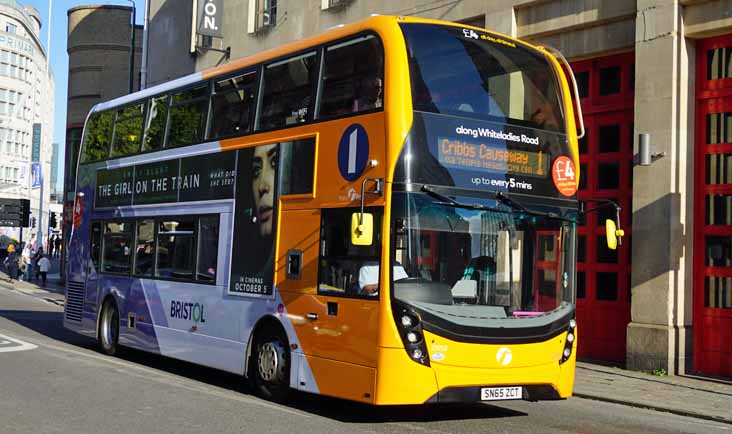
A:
11	263
50	245
44	266
34	262
57	246
27	256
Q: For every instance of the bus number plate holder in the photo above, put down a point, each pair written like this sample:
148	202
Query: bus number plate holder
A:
500	393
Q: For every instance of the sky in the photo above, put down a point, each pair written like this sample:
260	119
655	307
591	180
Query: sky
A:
59	58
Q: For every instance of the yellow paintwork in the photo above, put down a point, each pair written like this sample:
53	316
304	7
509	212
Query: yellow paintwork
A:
358	354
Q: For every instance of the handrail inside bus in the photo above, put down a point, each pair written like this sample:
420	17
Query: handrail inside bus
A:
562	59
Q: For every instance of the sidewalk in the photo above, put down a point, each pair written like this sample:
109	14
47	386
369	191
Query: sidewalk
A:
686	396
53	292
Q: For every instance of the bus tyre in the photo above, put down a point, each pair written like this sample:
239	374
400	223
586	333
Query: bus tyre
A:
109	329
271	365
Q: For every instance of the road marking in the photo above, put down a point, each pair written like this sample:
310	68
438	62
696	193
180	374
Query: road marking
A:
162	377
8	344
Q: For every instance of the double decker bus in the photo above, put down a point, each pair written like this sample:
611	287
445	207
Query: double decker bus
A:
385	213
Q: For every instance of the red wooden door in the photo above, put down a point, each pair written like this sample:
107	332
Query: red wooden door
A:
606	172
547	270
713	208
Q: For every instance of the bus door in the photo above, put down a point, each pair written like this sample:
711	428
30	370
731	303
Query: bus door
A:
334	303
91	269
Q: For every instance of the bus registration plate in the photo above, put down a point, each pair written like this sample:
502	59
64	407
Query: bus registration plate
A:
500	393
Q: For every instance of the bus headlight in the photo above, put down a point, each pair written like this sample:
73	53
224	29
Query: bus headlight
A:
410	330
407	321
569	341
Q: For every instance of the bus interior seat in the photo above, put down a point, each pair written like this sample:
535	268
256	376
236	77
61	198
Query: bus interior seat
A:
465	290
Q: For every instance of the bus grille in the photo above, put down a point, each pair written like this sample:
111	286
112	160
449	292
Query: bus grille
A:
74	301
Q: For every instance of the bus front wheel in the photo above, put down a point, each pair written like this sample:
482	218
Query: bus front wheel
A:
109	329
271	365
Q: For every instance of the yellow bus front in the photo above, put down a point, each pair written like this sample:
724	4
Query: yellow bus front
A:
478	266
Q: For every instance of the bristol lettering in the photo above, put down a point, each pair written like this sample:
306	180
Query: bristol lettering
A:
187	311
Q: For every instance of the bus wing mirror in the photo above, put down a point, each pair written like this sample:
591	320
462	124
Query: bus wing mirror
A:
612	233
362	229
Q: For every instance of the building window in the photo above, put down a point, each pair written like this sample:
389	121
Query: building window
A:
719	63
11	28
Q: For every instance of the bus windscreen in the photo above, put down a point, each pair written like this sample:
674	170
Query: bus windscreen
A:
468	73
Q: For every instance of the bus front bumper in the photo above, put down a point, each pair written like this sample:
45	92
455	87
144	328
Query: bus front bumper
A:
402	381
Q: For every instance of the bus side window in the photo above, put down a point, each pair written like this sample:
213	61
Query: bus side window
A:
287	91
297	166
188	115
97	137
95	249
157	116
117	250
208	248
176	251
128	131
145	248
232	104
353	77
346	269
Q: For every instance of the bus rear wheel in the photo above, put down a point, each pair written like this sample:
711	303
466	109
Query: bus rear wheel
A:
109	329
271	365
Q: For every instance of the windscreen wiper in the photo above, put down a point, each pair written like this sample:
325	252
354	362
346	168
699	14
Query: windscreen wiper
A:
500	197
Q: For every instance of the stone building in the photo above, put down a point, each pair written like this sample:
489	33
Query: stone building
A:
98	46
26	110
662	67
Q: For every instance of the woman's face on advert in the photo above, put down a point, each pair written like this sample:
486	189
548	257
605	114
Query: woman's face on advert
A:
264	162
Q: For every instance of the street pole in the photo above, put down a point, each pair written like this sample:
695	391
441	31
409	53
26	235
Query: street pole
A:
40	211
132	46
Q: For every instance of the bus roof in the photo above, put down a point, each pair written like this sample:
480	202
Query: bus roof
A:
376	23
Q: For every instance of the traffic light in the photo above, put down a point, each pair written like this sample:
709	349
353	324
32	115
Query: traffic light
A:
52	220
25	212
33	221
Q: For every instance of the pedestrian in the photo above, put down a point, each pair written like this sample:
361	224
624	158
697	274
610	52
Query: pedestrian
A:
27	259
44	266
50	245
11	263
57	245
34	262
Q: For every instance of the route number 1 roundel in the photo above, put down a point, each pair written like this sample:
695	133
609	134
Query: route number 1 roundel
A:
564	175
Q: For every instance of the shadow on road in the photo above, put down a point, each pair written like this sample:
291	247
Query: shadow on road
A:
50	324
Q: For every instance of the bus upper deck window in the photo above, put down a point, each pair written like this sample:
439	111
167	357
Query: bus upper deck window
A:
188	114
127	131
157	115
232	104
287	91
353	77
97	137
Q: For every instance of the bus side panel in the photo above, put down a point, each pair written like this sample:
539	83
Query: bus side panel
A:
344	380
401	380
77	260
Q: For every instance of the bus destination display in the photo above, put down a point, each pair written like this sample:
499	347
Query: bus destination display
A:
460	154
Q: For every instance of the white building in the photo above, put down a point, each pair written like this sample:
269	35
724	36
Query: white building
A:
26	106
